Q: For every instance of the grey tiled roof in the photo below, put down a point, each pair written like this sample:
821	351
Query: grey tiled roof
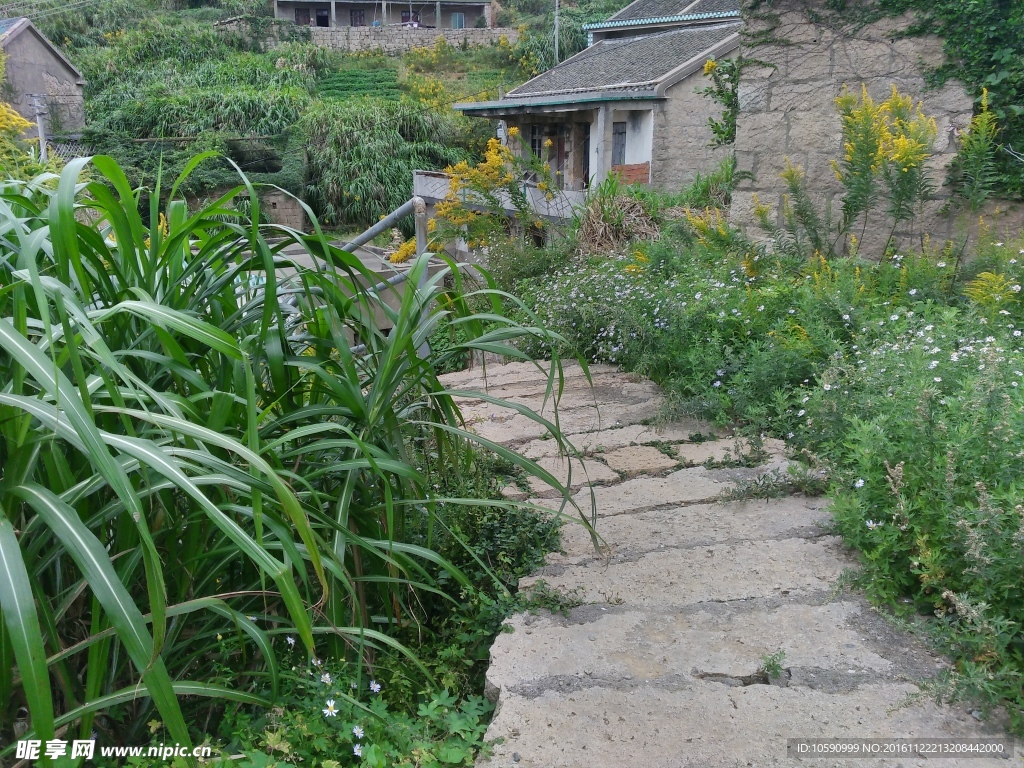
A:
658	9
629	63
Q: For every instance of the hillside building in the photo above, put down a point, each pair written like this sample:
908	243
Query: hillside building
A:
444	14
35	67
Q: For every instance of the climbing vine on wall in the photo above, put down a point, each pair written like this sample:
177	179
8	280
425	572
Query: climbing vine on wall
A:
984	45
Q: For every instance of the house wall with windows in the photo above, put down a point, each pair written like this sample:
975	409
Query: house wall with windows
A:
343	13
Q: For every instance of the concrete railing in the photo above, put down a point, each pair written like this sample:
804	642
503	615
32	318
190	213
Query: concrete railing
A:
398	39
433	186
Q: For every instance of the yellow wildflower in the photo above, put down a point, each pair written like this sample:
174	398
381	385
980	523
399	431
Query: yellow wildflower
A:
406	251
710	66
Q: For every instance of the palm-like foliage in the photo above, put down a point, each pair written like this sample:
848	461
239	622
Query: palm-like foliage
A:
185	453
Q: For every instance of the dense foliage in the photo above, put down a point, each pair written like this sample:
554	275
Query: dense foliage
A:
204	493
535	19
164	83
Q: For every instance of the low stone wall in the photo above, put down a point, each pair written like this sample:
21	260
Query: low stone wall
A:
788	110
395	40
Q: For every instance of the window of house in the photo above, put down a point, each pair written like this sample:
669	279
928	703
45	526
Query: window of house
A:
357	17
458	21
618	143
537	140
410	16
323	18
302	16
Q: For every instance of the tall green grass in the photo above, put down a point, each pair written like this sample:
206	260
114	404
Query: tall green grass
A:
188	449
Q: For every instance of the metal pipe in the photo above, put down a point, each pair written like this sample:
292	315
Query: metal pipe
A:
386	223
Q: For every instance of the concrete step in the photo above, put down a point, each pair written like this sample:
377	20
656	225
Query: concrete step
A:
621	437
630	535
521	374
506	427
619	645
574	473
702	723
687	486
672	578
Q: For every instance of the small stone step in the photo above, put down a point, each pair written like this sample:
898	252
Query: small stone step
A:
619	645
673	578
520	373
687	486
630	535
705	723
620	437
506	427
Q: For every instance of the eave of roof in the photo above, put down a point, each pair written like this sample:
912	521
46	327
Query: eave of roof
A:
714	16
577	100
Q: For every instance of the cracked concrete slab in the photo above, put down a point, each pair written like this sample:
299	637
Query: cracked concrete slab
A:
710	724
687	486
620	437
639	646
573	473
679	577
695	525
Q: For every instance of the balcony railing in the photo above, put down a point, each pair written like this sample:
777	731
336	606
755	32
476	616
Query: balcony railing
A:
434	186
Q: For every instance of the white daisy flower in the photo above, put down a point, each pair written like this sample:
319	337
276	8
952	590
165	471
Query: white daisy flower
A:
330	710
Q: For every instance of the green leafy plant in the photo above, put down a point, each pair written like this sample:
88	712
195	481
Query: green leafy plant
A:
771	664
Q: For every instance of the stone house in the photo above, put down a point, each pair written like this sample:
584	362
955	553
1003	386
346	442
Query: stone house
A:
629	102
35	67
442	14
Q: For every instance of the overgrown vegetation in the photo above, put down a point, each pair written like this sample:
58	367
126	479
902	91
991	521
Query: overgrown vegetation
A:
898	377
164	84
210	507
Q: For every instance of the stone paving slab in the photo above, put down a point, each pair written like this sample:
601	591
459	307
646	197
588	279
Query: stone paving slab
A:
624	644
620	437
696	525
636	460
521	374
687	486
709	724
682	577
585	472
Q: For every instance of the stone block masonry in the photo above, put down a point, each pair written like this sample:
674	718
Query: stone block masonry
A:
787	110
397	40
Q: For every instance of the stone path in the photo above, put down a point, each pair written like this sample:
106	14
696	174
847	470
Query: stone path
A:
661	664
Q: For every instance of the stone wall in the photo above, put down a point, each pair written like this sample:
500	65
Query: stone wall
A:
283	209
788	111
682	138
395	40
